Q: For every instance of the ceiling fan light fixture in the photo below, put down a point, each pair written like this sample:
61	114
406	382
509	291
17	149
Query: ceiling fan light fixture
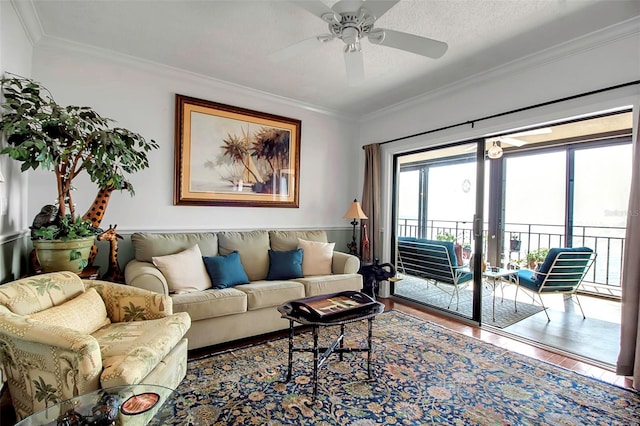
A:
495	151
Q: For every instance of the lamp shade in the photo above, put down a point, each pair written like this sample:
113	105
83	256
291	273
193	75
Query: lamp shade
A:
355	211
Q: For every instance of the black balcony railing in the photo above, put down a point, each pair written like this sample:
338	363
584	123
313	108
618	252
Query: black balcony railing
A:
607	242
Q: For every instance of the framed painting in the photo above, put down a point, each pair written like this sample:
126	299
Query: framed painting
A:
230	156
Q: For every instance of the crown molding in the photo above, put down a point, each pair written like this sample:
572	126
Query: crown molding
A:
594	40
178	73
26	11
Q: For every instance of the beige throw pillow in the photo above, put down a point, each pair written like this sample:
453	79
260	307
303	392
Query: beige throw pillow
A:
185	271
316	257
84	313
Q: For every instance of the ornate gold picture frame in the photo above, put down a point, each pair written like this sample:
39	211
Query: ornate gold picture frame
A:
231	156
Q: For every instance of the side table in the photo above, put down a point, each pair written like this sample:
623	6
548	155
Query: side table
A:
497	275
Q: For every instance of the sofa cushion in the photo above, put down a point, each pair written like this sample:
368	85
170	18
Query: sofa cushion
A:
253	247
284	265
314	286
264	294
225	271
131	350
33	294
85	313
185	271
148	245
316	257
288	240
211	303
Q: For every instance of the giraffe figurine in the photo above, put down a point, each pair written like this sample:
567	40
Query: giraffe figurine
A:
114	273
95	213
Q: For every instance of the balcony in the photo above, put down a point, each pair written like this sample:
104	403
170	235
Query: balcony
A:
603	279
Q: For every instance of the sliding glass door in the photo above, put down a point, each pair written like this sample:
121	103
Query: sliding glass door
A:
436	198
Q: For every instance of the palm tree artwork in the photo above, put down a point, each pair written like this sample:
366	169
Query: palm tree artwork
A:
257	160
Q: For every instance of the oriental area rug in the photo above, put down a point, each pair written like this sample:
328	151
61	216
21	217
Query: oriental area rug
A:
424	374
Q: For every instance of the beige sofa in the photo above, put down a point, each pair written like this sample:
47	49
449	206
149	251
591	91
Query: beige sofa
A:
62	337
244	310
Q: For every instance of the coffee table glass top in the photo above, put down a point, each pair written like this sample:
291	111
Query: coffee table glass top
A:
121	405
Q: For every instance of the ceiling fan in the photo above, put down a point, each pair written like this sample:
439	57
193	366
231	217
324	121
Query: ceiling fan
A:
351	21
513	140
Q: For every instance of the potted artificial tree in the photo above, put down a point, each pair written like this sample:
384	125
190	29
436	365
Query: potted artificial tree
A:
67	141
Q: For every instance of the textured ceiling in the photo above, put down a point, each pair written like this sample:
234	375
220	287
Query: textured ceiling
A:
231	41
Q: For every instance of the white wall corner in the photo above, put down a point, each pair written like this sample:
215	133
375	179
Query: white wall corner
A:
26	11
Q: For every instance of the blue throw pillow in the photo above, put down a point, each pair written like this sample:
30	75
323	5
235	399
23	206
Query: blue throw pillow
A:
284	265
225	271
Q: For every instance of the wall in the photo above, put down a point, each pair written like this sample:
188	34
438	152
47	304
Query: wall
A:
140	96
15	57
598	61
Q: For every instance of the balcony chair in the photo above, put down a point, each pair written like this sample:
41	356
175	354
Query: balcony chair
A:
433	261
61	337
561	272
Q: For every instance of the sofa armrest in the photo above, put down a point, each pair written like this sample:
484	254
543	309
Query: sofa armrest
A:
145	275
344	263
51	357
126	303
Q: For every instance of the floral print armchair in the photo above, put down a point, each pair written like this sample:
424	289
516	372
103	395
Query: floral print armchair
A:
61	337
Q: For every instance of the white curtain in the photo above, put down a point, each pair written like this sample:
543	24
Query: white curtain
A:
629	357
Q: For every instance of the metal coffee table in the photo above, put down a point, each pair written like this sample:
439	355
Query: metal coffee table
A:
321	354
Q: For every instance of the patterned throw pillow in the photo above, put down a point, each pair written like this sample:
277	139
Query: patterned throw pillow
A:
316	258
225	271
184	271
85	313
285	265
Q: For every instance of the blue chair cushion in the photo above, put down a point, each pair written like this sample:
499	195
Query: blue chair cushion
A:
527	279
225	271
285	265
421	259
582	257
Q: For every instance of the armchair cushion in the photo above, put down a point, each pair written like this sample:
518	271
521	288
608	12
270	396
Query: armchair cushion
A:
85	313
131	350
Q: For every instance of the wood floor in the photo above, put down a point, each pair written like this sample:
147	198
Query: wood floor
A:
7	416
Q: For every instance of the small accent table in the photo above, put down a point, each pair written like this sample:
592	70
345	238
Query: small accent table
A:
498	275
133	405
321	354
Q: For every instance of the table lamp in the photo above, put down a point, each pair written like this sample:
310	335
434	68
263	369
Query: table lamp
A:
355	212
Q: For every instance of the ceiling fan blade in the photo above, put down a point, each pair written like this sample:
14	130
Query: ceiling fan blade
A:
316	7
294	50
411	43
542	131
347	6
355	67
512	141
379	8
